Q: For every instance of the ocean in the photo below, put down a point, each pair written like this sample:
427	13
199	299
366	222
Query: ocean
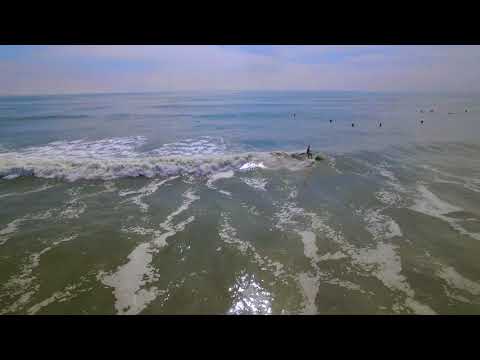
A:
192	203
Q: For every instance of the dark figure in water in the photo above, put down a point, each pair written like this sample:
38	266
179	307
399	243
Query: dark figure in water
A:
353	124
380	125
466	110
331	121
309	153
421	122
294	115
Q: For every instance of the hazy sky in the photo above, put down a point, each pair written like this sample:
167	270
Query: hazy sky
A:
133	68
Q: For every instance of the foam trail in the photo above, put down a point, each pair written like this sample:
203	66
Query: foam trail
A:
431	205
249	296
14	225
309	284
469	183
381	261
68	293
144	192
218	176
42	188
456	280
22	286
74	209
381	226
130	279
229	235
221	175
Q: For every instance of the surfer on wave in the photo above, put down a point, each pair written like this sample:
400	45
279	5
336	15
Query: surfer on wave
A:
309	153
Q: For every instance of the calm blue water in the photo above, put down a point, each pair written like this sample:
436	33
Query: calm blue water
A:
258	121
183	203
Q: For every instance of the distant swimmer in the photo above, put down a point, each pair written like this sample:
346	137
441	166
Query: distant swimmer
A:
380	125
421	122
331	121
309	153
294	115
466	110
353	124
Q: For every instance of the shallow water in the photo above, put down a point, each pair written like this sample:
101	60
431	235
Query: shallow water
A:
175	204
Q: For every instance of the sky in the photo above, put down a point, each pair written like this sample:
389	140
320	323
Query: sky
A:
60	69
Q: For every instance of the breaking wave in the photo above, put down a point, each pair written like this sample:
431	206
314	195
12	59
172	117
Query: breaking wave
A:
120	157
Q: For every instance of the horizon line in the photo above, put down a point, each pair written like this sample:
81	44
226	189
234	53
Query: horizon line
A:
231	90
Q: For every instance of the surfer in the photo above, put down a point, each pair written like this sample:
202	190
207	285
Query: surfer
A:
309	153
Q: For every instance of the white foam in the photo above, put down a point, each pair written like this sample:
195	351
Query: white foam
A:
42	188
21	286
384	263
9	229
456	280
68	293
74	210
310	248
11	176
220	175
310	285
428	203
470	183
230	236
14	225
388	198
189	147
333	164
256	183
288	218
145	191
345	284
386	173
130	280
381	226
118	157
381	261
252	165
335	256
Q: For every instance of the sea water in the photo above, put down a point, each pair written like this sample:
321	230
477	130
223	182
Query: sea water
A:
191	203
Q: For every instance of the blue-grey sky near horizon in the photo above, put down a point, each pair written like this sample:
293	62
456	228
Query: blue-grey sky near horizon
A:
137	68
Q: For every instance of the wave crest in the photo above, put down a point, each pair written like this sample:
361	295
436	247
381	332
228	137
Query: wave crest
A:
118	157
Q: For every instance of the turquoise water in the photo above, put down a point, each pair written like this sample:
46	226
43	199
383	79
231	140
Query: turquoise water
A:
191	203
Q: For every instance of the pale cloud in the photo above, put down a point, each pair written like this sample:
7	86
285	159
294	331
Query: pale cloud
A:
70	69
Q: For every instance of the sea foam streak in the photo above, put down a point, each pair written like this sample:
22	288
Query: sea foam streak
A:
23	286
428	203
129	281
